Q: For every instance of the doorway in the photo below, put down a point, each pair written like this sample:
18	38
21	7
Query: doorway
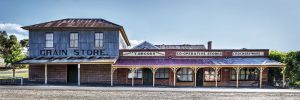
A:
147	77
200	77
72	72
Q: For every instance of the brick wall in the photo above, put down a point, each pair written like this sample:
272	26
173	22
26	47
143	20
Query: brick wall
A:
37	73
121	77
95	73
56	73
92	73
225	79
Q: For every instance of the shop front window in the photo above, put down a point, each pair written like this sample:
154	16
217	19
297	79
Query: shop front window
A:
185	75
162	73
246	74
138	73
209	74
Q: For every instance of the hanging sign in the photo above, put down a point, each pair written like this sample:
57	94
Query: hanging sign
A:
247	53
146	53
198	53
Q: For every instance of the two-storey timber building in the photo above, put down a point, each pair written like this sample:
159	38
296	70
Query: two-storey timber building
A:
95	51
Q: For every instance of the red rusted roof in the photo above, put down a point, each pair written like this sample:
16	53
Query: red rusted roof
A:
85	23
185	46
75	23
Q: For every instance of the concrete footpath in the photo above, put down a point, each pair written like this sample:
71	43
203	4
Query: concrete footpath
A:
143	93
119	88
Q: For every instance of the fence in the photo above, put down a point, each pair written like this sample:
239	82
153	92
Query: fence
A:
11	80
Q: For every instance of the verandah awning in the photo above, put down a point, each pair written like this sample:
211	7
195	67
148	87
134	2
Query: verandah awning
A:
69	60
197	62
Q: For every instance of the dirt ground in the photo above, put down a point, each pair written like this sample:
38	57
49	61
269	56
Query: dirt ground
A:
72	94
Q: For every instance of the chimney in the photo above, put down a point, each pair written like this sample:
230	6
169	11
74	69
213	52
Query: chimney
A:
209	45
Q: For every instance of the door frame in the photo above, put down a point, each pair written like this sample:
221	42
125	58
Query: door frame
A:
200	82
75	74
149	74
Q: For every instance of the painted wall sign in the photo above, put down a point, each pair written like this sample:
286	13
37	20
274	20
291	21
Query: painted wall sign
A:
150	53
247	53
71	52
198	53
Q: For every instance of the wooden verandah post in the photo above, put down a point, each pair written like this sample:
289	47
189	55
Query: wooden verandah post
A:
78	73
153	75
112	76
217	69
237	71
174	69
195	69
261	69
283	77
132	70
46	75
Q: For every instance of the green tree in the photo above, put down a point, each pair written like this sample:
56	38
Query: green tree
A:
292	70
25	44
10	50
3	40
278	56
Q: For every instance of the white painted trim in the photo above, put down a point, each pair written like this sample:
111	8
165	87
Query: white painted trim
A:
78	73
46	76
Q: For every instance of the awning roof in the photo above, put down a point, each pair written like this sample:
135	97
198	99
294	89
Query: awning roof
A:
59	60
198	62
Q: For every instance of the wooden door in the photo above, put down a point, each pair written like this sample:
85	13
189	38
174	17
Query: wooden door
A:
72	74
200	77
147	77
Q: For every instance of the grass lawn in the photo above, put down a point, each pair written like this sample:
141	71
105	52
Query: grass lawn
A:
19	73
24	75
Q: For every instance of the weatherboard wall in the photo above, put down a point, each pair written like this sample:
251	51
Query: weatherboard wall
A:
62	42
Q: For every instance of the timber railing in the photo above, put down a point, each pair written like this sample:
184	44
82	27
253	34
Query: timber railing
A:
11	80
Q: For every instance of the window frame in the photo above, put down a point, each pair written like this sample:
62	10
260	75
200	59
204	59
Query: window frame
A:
211	70
162	73
254	73
137	75
183	74
73	40
101	40
46	40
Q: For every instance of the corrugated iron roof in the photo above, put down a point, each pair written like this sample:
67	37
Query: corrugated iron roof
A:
198	62
181	46
78	23
75	23
57	60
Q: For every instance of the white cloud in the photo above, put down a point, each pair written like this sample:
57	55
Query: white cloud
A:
135	42
14	29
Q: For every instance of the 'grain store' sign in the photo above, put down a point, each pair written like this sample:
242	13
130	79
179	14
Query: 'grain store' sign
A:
148	53
71	52
198	53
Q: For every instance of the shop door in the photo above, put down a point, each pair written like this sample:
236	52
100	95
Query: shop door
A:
147	77
72	74
200	77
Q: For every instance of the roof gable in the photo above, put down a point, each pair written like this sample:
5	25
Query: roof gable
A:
145	45
186	46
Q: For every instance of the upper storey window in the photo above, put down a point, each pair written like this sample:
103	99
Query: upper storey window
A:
49	40
73	40
98	40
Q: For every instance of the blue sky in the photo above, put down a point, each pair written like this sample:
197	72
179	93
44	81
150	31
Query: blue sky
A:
230	24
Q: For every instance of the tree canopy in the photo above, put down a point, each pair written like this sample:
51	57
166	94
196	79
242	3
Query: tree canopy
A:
292	65
10	49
